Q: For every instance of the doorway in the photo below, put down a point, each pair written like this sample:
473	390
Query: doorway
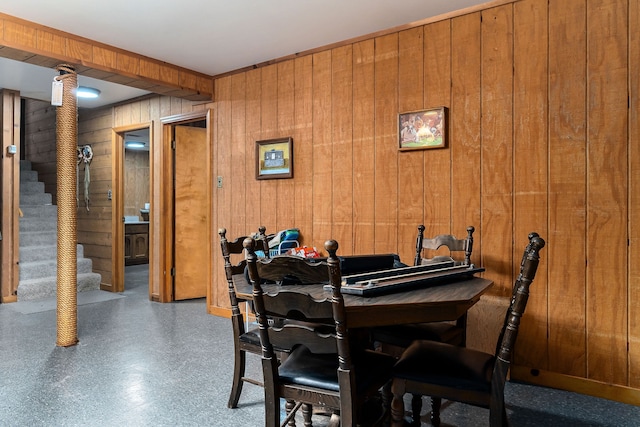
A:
186	196
131	201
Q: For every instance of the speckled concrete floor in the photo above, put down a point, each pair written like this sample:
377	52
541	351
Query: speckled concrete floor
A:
140	363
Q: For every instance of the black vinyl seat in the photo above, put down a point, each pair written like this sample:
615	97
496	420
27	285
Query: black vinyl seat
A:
395	339
445	371
244	341
323	369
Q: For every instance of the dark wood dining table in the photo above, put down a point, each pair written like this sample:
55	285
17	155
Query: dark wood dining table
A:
419	305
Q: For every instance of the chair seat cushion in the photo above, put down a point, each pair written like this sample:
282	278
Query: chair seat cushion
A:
404	335
321	370
444	364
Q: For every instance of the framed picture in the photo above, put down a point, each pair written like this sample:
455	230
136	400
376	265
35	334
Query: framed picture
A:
418	130
274	158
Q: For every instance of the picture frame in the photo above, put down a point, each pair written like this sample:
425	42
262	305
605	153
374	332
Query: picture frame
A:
274	158
422	129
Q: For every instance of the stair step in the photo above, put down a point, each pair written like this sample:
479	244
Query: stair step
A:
31	187
49	268
28	175
25	165
37	238
48	287
30	254
35	199
38	224
39	245
33	211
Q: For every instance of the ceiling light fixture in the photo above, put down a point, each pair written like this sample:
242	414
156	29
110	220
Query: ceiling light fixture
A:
134	144
87	92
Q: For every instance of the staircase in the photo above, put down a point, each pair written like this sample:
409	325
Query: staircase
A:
38	243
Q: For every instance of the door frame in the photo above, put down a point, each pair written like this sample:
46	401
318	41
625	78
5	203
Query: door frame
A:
117	203
166	217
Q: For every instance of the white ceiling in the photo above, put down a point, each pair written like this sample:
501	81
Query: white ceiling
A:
209	36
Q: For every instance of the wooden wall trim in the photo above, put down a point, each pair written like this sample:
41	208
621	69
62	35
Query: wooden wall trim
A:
165	218
10	184
542	138
219	311
586	386
118	197
36	44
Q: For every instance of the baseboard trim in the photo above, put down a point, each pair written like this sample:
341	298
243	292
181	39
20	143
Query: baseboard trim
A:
580	385
218	311
8	299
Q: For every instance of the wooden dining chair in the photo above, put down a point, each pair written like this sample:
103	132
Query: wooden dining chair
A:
244	341
323	369
445	371
395	339
401	336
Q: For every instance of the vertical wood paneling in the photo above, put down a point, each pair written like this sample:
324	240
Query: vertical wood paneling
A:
94	226
235	177
634	195
155	176
607	163
322	148
224	155
252	188
386	147
285	187
175	106
497	146
136	175
530	181
342	168
145	111
363	141
567	183
411	163
465	126
269	130
569	162
303	148
437	163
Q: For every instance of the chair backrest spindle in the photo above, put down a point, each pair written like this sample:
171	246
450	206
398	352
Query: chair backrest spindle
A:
450	241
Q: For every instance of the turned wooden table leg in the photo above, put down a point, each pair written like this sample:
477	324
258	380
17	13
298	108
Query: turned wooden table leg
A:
397	411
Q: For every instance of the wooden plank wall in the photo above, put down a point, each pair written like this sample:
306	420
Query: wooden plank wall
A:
543	136
136	181
540	139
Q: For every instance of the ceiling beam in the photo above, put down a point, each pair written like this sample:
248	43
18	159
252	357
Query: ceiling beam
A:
36	44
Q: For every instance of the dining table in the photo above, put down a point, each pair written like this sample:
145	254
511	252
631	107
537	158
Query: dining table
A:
442	302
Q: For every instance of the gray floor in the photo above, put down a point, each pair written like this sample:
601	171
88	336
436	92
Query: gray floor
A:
140	363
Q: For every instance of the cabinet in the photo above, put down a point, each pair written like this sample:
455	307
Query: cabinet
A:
136	243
